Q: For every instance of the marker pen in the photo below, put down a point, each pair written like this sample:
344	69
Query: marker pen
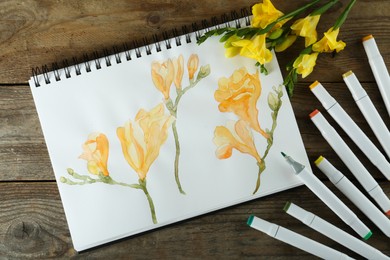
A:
351	128
368	110
328	197
295	239
333	232
354	195
378	68
351	161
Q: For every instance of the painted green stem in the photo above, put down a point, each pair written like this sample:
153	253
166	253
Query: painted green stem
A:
172	107
261	169
85	179
177	156
270	140
142	183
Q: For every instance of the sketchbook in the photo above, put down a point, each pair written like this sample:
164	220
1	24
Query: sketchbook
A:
161	133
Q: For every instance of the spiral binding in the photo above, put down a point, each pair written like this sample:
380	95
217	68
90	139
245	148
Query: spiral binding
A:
168	39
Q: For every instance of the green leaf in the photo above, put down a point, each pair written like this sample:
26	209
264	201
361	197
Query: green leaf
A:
344	15
227	36
324	8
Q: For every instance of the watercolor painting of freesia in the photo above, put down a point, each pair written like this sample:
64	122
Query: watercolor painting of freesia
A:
172	70
239	94
142	138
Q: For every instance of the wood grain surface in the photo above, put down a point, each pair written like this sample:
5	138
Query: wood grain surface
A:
37	32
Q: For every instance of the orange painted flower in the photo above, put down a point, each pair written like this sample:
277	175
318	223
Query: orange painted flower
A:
239	94
329	42
192	65
178	65
163	75
235	135
142	139
95	152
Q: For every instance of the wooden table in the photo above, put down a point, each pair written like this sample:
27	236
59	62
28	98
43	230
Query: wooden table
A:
36	32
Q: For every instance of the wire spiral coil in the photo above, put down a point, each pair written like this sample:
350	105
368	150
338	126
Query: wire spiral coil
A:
167	39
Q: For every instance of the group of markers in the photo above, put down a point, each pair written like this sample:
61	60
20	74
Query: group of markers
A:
337	178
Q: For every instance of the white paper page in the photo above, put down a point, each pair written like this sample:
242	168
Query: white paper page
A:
105	99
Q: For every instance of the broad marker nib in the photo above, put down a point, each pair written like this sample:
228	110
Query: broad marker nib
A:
284	155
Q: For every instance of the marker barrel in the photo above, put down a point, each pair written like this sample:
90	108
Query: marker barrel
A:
334	232
351	161
368	110
333	202
354	195
378	68
351	128
295	239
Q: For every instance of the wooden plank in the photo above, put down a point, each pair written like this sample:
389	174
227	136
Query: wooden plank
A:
35	32
33	225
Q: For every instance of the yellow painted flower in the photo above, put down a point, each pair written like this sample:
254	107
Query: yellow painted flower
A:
305	63
264	14
255	49
290	39
329	42
163	75
178	65
306	27
95	152
142	139
239	94
192	65
235	135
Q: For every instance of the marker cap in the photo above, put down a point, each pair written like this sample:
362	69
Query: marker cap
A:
262	225
370	46
354	85
328	169
323	96
305	216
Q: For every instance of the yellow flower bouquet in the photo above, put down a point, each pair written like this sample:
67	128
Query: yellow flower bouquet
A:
270	29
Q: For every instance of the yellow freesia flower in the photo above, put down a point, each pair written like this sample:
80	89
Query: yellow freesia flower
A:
306	27
192	65
305	63
142	139
239	94
178	65
329	42
255	49
95	152
162	76
235	135
264	14
290	39
230	50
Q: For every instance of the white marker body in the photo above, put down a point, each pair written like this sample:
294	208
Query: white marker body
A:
334	203
379	70
369	111
351	161
335	233
352	129
297	240
355	195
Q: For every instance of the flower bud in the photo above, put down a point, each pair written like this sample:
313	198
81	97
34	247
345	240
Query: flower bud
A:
204	71
275	34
